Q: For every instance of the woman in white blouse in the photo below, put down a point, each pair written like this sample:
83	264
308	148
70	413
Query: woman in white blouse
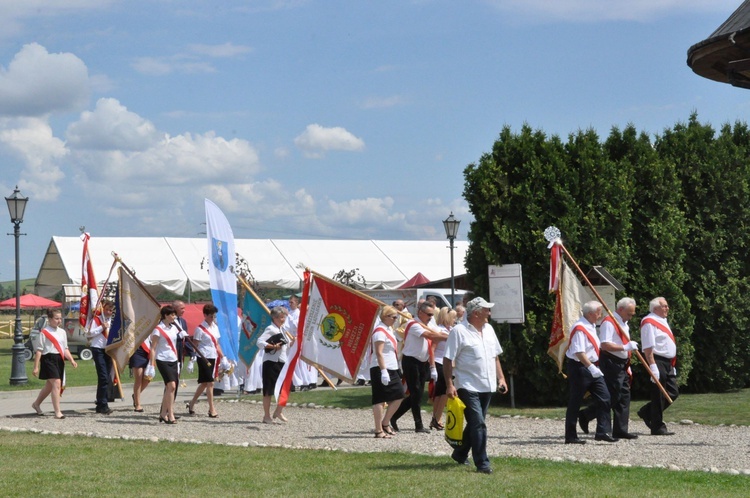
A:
384	373
49	362
206	343
164	355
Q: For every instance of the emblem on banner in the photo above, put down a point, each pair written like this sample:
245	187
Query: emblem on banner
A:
219	257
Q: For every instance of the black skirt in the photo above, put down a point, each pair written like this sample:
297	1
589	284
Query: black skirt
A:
139	359
383	394
205	369
271	371
51	366
168	371
440	387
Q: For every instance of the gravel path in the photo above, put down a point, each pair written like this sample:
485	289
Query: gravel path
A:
696	447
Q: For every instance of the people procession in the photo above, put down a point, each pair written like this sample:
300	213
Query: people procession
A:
404	353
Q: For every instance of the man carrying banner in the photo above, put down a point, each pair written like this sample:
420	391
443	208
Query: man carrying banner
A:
471	354
417	364
616	348
660	352
97	335
584	375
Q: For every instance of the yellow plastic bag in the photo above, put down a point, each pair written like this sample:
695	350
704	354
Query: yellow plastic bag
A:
454	422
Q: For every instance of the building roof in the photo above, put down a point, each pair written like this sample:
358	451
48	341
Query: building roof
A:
725	55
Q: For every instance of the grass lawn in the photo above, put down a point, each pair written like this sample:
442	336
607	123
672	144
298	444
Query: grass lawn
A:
46	465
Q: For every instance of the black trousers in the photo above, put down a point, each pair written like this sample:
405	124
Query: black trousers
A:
416	374
581	380
655	408
616	377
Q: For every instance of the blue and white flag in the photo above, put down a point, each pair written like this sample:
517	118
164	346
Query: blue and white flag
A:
222	278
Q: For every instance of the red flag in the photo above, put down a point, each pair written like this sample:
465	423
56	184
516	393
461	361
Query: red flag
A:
555	260
89	291
336	327
284	382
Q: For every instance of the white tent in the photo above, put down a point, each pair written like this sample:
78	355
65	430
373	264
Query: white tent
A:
179	265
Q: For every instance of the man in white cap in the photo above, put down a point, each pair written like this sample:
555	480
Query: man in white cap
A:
472	356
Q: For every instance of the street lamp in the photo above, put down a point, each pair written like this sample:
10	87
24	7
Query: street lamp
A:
16	207
451	230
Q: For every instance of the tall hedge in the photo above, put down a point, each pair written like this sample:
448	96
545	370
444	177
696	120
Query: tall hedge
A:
667	215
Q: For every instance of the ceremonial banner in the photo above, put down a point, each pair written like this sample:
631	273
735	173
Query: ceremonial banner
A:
570	296
223	281
336	327
284	382
89	291
255	319
555	260
136	315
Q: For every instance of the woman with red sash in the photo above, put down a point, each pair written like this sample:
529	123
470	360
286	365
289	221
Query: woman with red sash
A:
138	363
384	373
206	343
164	356
49	362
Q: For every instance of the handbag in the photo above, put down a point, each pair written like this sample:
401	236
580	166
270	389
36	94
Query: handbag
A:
454	422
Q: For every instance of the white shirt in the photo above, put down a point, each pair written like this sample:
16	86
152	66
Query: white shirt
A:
46	346
388	338
440	348
203	341
580	343
608	333
96	332
652	337
164	351
414	344
474	354
275	355
292	322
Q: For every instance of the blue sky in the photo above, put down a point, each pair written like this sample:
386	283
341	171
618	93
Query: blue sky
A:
315	119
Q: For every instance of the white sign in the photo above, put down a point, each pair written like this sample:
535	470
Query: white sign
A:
506	291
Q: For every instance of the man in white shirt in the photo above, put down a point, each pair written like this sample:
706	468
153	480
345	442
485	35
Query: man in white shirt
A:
417	364
660	352
614	362
97	336
471	354
584	375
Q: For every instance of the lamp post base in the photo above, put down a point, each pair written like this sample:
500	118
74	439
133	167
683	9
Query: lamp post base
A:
18	369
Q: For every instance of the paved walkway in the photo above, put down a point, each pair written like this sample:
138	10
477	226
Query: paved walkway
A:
82	398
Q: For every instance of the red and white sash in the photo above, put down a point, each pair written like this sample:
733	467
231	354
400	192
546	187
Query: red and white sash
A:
169	341
216	347
98	322
51	338
581	328
390	338
664	329
625	340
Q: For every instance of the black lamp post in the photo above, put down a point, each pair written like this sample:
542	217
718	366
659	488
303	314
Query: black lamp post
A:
16	207
451	230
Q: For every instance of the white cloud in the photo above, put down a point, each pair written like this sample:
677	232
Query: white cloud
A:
38	83
110	126
220	51
607	10
32	141
13	12
382	102
316	140
161	66
357	211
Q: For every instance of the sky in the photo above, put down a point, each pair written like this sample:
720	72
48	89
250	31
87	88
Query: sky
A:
315	119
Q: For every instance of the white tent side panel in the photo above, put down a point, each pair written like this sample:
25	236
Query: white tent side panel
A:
166	263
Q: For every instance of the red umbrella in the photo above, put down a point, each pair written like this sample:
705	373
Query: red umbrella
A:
30	301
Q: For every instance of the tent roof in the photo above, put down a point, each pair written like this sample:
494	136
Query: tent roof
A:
414	281
30	301
166	263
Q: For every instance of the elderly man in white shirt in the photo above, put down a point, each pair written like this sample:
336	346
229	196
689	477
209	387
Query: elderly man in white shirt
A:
471	354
